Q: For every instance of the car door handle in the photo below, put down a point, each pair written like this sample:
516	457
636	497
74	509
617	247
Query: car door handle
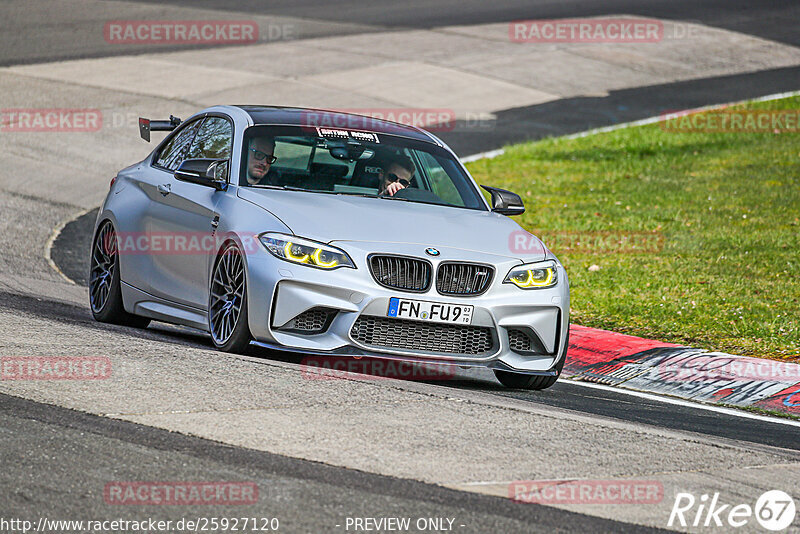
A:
164	189
215	221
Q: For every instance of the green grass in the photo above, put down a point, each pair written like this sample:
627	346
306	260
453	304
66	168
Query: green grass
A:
719	216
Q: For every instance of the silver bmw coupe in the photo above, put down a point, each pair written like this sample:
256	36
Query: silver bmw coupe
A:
327	233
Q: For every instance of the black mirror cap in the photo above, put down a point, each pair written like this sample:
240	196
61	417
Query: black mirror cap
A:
505	202
208	172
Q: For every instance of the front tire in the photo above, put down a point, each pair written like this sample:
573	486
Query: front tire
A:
523	381
105	291
227	308
514	380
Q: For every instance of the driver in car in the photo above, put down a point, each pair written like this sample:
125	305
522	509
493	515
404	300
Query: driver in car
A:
397	171
260	156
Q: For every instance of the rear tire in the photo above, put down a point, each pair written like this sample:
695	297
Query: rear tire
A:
105	291
514	380
227	302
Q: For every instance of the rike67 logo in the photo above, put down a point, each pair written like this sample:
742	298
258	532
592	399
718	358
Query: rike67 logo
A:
774	510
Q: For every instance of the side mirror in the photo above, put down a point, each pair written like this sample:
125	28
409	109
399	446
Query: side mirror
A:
505	202
207	172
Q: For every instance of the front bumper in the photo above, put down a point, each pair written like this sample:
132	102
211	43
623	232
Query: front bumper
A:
279	291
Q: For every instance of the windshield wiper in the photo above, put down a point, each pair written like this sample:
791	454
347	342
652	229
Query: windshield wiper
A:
390	197
304	190
283	187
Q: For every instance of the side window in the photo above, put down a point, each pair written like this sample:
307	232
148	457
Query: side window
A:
173	153
213	140
441	183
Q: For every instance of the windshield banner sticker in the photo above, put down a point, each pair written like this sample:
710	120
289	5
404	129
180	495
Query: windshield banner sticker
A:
335	133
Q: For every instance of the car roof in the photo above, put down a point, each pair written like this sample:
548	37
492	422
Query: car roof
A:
310	117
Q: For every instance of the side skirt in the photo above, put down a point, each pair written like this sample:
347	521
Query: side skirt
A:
142	303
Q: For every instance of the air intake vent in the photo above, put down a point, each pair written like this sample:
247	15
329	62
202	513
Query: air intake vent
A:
416	335
313	321
463	278
400	272
519	341
524	341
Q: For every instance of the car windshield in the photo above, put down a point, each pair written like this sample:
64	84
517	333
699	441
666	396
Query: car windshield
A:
347	162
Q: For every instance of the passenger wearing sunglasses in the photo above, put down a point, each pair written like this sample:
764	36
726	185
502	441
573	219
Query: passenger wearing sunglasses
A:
397	171
259	158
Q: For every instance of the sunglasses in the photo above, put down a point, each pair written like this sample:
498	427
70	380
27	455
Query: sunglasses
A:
261	155
392	177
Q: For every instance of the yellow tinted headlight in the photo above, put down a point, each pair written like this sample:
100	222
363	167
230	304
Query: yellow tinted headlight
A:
295	253
533	275
305	252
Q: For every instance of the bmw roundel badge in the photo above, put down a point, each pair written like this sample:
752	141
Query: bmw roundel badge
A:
432	251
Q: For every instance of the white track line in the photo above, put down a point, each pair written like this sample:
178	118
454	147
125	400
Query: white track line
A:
689	404
483	155
660	118
651	120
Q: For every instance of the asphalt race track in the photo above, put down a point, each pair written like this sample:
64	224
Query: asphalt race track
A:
287	485
72	454
322	451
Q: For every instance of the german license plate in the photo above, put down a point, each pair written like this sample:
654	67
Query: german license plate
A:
436	312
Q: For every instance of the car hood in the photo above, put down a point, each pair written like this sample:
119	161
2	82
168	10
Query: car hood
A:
327	218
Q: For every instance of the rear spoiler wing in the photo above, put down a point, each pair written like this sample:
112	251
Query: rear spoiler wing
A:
146	126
